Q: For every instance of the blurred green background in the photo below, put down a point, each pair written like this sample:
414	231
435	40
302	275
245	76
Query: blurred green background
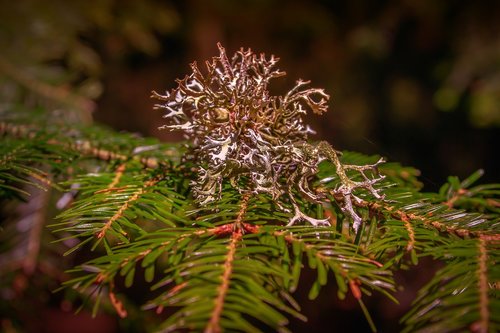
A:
417	81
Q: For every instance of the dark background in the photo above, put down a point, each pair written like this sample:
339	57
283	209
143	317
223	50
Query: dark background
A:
415	81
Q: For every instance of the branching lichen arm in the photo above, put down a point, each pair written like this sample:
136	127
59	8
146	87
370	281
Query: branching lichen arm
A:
348	186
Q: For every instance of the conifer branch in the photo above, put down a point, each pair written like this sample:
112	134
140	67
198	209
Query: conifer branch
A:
459	194
428	219
222	228
411	232
482	325
117	304
236	235
125	206
214	325
81	146
350	268
457	289
118	175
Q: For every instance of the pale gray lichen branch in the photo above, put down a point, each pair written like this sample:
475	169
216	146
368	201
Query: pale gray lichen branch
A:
255	141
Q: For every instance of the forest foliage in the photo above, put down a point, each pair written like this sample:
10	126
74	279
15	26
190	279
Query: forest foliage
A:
222	226
223	231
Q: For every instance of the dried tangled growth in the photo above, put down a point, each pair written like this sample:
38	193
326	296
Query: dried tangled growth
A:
256	141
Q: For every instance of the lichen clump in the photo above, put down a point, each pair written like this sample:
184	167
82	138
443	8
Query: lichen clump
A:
257	142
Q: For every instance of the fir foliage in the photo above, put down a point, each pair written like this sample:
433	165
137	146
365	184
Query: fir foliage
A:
233	262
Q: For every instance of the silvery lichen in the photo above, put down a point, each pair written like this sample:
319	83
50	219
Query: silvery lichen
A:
257	142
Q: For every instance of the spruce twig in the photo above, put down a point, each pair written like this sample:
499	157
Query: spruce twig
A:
217	228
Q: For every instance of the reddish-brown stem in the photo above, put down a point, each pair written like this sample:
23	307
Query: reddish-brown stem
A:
124	207
236	236
481	326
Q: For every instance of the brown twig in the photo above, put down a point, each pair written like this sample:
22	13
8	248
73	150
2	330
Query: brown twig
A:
124	207
84	147
236	236
402	216
213	325
459	194
117	304
118	175
411	232
481	326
